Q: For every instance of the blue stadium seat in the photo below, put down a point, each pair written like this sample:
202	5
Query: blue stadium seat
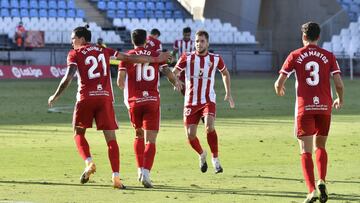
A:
33	13
169	5
168	14
52	4
140	5
111	5
121	5
4	12
159	14
131	14
33	4
71	13
140	14
61	13
52	13
14	12
150	5
5	4
149	14
62	5
43	13
70	4
111	14
24	4
121	14
131	5
178	14
80	13
101	5
14	4
43	4
159	6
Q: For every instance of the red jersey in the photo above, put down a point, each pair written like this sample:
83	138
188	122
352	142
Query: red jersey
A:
200	76
313	67
142	80
153	44
94	79
183	46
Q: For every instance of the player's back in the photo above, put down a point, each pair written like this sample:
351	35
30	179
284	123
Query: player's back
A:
153	44
94	78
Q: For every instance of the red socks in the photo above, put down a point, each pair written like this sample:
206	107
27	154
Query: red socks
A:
139	149
308	170
149	155
82	146
195	144
213	143
321	162
114	157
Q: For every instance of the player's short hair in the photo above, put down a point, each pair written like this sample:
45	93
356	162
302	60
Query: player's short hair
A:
138	37
155	32
83	31
202	33
311	30
186	30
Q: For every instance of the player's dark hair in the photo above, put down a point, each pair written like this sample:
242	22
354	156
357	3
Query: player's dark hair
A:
203	33
138	37
186	30
82	31
311	30
155	32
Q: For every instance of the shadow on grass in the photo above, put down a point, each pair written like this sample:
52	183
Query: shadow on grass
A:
195	189
295	179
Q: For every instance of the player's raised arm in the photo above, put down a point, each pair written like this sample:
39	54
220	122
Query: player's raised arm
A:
280	85
64	83
339	86
143	59
226	80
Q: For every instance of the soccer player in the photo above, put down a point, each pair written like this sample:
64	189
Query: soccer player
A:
200	67
141	97
184	45
313	67
94	97
152	42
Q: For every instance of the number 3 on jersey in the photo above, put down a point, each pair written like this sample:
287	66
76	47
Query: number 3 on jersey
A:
145	72
92	60
314	79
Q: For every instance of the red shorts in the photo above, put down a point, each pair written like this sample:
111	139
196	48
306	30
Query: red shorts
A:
192	114
146	116
312	124
100	109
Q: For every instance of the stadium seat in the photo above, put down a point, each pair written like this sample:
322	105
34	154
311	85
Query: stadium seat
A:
14	4
43	4
140	5
140	14
121	5
131	14
52	13
43	13
14	12
169	5
111	14
150	5
61	13
80	13
33	13
168	14
5	4
149	14
71	13
4	12
71	4
159	14
178	14
131	5
111	5
101	5
52	4
121	14
24	4
62	5
159	6
33	4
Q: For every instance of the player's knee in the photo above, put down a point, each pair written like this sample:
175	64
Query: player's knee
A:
210	128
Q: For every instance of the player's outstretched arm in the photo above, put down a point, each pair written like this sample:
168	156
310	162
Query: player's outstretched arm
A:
143	59
121	79
280	85
171	77
64	83
339	86
226	80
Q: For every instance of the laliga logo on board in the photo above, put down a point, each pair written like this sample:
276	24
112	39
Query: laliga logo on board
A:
57	72
20	72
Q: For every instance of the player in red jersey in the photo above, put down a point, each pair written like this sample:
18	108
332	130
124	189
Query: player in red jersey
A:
200	67
152	42
313	67
141	97
181	46
94	97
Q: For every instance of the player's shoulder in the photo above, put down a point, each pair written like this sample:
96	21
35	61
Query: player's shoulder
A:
214	55
72	52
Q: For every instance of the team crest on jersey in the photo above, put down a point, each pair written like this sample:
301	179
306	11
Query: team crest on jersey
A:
187	111
145	93
201	72
316	100
99	87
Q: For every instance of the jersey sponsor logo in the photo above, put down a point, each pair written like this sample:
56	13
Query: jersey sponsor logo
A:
145	93
57	72
99	87
20	72
316	100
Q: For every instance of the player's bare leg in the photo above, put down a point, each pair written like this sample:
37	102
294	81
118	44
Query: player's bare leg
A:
84	151
149	155
213	142
113	153
321	162
139	148
195	144
306	147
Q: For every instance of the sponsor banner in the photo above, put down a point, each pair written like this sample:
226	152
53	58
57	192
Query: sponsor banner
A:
32	72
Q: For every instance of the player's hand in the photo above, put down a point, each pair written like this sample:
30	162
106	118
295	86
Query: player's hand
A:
51	100
280	91
164	56
230	100
179	85
337	103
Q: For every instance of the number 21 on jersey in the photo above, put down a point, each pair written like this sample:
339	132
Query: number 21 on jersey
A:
95	62
144	72
314	78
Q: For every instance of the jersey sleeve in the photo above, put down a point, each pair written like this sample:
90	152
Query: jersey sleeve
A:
122	66
112	52
221	65
160	47
71	58
334	69
288	66
181	64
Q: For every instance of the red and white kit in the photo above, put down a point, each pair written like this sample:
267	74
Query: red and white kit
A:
153	44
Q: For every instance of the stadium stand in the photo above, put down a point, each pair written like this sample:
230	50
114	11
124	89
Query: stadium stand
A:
352	7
